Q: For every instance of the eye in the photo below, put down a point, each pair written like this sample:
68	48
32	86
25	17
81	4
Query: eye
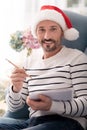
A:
40	30
53	29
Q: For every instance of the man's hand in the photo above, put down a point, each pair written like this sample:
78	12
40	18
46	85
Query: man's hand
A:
43	104
17	77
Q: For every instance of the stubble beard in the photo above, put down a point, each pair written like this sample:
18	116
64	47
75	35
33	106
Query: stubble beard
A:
49	47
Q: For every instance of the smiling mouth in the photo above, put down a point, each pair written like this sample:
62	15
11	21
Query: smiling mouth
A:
48	42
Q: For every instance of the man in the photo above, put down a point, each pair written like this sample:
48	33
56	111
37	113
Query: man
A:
59	68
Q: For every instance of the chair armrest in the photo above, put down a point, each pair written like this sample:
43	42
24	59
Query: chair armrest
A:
22	113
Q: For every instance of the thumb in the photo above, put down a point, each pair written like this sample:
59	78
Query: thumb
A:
43	97
27	99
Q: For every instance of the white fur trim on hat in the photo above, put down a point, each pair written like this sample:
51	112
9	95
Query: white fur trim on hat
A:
49	15
55	14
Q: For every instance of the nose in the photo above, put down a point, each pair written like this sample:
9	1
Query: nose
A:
47	35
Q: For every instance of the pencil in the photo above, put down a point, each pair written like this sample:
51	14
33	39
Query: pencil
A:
12	63
15	65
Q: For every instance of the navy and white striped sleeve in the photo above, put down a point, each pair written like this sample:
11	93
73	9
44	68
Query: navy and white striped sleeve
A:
78	106
16	101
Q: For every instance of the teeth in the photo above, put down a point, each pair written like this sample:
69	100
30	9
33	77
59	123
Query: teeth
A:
48	42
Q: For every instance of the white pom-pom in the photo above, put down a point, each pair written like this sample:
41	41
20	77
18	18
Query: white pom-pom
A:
71	34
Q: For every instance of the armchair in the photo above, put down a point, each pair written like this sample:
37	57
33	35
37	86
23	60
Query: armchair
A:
79	22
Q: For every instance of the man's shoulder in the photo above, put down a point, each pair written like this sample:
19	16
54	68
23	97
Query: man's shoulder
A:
75	55
74	51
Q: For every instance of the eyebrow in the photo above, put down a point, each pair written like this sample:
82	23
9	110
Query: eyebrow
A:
53	26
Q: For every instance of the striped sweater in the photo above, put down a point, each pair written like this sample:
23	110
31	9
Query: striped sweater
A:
66	69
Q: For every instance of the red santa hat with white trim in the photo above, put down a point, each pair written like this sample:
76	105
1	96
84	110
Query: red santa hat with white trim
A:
53	13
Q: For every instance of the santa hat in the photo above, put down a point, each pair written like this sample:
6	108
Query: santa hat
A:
53	13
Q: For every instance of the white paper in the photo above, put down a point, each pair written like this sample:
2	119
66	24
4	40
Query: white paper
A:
61	94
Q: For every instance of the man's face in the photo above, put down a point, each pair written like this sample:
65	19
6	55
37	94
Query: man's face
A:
49	35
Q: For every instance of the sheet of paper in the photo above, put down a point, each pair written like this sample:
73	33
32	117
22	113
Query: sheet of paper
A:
61	94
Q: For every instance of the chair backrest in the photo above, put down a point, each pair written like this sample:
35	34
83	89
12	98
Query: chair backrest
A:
80	23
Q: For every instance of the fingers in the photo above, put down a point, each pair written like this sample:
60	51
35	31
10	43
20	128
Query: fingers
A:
17	79
18	73
43	104
43	98
21	71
